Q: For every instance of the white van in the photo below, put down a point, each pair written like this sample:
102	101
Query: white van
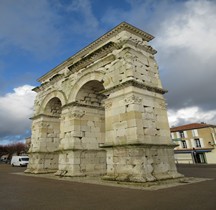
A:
19	160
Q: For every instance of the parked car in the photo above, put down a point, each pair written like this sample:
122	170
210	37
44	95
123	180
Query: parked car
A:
4	159
19	160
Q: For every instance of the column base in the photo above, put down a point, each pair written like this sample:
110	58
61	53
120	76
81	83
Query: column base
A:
42	163
141	163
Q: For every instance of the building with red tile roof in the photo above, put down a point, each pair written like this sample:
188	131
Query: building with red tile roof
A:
196	143
191	126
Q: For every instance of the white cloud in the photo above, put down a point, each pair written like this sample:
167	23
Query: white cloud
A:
186	52
16	108
190	115
193	29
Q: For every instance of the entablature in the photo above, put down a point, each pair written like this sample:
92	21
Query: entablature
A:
93	57
133	83
95	45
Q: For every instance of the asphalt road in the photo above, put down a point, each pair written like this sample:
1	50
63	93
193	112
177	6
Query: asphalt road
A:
36	193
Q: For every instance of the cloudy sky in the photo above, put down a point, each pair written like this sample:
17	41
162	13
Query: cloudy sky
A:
35	36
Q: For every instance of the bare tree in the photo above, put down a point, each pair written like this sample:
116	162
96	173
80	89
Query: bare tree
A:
11	149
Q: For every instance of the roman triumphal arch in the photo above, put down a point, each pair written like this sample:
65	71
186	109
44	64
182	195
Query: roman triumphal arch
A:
102	113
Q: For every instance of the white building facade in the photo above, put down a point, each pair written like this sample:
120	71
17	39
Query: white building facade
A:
196	142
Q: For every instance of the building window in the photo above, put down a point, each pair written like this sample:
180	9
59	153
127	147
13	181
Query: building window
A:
184	144
172	136
181	133
177	135
197	142
194	132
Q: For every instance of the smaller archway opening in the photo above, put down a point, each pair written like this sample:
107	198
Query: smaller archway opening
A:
53	107
51	134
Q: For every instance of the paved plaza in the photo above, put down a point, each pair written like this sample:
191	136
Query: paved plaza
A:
18	191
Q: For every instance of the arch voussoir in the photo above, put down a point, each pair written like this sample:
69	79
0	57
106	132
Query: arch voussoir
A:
54	94
98	76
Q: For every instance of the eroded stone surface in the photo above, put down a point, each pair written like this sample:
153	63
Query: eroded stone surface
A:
102	113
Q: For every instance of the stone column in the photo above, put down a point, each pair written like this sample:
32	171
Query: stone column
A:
138	144
81	133
69	148
44	144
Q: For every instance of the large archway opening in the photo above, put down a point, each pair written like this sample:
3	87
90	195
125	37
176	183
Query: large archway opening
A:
92	128
90	94
91	99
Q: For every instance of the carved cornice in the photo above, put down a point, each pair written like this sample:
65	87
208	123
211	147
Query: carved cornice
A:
94	45
37	89
83	63
42	87
81	105
43	115
139	145
94	56
45	85
44	152
141	46
103	62
134	84
80	150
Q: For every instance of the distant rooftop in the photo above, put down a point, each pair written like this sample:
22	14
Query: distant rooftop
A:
191	126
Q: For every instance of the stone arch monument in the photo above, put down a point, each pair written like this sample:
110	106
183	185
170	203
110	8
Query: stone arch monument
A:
102	113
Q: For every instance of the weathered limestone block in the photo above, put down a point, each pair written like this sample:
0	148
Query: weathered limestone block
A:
143	164
82	163
42	163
